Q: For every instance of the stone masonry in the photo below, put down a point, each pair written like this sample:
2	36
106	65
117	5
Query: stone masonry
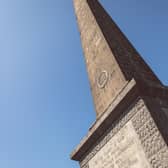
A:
131	103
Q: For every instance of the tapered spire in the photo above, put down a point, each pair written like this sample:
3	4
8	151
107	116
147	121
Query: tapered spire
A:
111	59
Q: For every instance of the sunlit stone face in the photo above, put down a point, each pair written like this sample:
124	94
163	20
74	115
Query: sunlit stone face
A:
122	151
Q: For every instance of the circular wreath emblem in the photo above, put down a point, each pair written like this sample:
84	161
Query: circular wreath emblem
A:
102	79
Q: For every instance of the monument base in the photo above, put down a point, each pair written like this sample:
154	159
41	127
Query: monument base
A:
132	133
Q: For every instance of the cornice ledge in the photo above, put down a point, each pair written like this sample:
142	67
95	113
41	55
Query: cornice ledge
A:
126	96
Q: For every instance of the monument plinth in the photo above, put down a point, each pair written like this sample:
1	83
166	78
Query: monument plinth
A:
131	103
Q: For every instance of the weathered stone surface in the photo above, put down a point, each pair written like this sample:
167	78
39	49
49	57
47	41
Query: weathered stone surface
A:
131	128
106	49
166	111
148	137
124	150
99	59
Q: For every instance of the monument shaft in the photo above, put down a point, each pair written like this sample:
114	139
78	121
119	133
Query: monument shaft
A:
131	103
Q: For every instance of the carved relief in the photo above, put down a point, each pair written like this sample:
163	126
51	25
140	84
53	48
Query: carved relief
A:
113	130
149	136
102	79
122	151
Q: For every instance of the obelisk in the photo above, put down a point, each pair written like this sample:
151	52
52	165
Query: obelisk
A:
131	103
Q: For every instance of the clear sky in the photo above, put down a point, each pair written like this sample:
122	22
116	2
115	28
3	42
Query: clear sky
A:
45	101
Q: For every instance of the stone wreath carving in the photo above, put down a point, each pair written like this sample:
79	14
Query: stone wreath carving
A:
102	79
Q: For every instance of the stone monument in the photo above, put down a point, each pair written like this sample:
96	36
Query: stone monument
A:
131	103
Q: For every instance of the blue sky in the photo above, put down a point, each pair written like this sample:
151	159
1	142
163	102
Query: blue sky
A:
45	102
